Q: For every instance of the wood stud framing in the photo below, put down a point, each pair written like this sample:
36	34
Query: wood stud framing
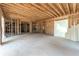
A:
15	14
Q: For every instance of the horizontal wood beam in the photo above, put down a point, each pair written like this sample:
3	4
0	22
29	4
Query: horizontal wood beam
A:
59	18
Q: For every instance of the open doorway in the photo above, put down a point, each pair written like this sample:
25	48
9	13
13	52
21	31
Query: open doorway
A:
23	27
28	28
60	28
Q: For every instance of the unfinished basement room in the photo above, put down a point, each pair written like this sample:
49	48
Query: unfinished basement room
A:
39	29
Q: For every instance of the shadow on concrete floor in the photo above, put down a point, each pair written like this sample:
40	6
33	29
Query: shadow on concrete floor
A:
9	41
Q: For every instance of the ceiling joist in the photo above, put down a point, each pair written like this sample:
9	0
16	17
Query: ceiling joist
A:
38	11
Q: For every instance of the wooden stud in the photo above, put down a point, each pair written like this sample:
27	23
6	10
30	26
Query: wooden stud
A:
11	26
30	27
15	26
19	26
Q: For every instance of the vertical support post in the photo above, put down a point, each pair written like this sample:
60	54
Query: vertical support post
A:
73	28
26	27
30	27
15	26
0	31
75	37
3	27
70	22
11	27
19	26
17	29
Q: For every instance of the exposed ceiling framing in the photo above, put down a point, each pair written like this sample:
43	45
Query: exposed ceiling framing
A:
38	11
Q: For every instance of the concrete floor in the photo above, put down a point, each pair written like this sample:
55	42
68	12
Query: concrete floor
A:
38	45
